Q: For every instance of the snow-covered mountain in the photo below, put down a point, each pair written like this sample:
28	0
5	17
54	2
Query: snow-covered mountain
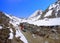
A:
36	15
15	20
51	13
49	17
53	10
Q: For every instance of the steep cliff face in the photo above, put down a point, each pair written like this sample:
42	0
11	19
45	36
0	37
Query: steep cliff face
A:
4	19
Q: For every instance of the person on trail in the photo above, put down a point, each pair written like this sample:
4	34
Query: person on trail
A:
22	27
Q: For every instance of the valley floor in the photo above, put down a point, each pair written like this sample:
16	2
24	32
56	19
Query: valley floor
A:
30	39
39	39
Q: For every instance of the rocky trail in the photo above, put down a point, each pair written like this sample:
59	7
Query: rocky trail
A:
31	39
39	39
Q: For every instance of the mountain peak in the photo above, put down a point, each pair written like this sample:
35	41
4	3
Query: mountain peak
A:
53	10
36	14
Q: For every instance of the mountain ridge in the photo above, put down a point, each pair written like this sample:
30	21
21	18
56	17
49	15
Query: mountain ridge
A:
52	12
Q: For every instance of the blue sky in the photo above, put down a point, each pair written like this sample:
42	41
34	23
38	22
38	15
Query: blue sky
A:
23	8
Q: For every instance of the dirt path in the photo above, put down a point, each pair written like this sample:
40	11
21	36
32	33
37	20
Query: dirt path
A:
16	41
31	39
39	39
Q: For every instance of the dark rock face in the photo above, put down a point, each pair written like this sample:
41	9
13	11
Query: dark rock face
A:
4	19
4	32
58	13
4	35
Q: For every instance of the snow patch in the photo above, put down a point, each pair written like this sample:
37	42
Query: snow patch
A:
11	30
1	27
19	34
11	34
49	22
48	13
46	41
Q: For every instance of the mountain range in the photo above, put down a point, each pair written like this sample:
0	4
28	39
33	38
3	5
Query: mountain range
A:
51	16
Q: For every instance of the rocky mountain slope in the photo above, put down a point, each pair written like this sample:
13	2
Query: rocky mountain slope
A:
9	30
